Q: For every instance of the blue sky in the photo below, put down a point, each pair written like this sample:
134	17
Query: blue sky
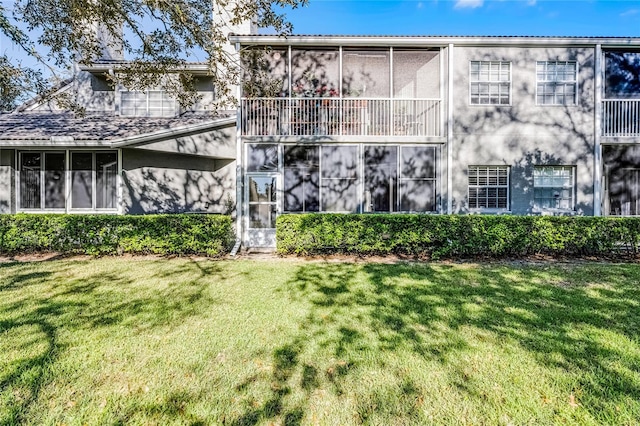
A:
469	17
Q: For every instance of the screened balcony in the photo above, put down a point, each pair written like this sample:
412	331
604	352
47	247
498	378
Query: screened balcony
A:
621	104
341	92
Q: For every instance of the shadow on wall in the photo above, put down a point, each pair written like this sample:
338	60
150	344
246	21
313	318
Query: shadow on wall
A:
172	183
525	134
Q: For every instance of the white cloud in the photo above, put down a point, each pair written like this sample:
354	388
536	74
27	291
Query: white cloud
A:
420	5
630	12
531	2
468	4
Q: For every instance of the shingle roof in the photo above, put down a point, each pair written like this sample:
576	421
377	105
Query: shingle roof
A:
63	126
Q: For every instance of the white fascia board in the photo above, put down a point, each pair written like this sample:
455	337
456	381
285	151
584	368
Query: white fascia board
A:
175	132
432	41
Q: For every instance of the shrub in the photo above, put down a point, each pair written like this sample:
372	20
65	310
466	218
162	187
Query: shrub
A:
456	235
179	234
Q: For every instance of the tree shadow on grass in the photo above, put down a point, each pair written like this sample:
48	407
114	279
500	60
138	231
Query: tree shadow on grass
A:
39	303
554	314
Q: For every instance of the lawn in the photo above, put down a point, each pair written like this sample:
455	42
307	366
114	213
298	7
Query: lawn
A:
182	341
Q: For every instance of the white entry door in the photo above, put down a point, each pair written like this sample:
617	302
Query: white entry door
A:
261	194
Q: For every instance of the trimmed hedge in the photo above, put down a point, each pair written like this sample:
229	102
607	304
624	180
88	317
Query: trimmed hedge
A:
180	234
450	236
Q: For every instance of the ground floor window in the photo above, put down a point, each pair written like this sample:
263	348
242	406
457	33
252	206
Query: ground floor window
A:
350	177
78	180
489	187
554	187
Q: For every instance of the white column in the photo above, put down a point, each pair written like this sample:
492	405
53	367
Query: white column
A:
450	128
597	132
239	163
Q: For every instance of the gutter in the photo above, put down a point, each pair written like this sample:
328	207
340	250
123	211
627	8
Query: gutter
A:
430	41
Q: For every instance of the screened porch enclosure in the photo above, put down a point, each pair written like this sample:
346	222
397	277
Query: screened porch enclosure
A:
622	180
341	92
348	178
67	180
621	102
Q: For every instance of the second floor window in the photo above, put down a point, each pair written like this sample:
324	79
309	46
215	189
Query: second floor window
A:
152	103
490	83
556	83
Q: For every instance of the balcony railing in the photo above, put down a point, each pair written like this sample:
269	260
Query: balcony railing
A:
340	117
621	117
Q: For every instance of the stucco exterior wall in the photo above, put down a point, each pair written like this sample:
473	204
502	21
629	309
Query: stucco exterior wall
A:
157	182
523	134
7	186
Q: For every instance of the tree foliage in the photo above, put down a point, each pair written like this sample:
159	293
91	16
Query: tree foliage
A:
156	37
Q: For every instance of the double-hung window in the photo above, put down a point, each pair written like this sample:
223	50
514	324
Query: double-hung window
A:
556	83
489	187
490	83
152	103
554	187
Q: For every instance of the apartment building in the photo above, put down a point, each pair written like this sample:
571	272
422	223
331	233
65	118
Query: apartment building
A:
453	125
350	124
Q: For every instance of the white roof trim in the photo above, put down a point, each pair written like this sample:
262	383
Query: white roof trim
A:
432	41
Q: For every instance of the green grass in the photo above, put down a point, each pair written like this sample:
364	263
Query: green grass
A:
138	341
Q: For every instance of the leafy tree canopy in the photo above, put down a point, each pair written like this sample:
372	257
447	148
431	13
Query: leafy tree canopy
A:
160	37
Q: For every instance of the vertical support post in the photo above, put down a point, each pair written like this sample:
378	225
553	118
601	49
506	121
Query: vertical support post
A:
597	134
449	128
239	163
119	183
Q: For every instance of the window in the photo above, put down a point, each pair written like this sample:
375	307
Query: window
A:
554	187
92	177
153	103
556	83
490	83
489	187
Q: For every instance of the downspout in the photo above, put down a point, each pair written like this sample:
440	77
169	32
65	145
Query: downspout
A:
449	128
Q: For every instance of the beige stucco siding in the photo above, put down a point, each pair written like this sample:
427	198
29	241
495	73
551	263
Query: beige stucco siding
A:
523	134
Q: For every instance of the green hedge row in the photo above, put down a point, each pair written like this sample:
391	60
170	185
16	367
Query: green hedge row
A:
210	235
450	236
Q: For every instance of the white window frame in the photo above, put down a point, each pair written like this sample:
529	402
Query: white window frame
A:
168	107
497	186
556	83
490	81
571	186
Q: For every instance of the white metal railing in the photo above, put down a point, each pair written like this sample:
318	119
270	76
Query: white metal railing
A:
621	117
340	116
